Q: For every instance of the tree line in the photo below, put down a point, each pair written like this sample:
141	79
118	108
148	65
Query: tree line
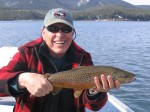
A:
97	13
13	14
113	13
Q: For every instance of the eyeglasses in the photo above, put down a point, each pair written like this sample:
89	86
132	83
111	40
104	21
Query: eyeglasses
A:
55	29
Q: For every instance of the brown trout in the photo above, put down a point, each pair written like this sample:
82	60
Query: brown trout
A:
83	77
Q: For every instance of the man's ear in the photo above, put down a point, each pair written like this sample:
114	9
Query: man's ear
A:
74	34
43	32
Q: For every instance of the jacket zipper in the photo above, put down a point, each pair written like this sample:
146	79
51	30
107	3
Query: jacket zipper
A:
56	70
81	59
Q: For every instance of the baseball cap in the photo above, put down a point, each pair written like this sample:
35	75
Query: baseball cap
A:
58	15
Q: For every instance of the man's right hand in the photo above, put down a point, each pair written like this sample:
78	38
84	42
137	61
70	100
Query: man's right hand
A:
35	83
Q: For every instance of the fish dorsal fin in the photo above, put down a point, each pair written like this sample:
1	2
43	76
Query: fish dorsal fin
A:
80	67
56	90
77	93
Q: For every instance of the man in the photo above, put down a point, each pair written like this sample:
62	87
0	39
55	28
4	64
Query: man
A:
53	52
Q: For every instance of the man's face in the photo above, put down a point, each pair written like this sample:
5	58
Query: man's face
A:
57	42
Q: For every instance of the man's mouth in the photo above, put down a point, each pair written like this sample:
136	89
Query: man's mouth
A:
59	42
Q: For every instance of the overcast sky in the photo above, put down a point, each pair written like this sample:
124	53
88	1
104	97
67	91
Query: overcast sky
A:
138	2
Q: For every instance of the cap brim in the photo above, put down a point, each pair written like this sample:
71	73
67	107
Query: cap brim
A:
58	21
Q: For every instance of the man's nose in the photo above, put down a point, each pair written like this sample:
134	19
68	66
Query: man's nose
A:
60	33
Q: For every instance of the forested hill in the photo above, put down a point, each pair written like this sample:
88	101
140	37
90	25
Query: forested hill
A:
81	9
69	4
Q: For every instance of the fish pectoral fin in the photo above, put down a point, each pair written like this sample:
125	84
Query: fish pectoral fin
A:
56	90
77	93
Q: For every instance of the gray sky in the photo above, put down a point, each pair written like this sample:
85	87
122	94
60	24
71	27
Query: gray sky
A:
138	2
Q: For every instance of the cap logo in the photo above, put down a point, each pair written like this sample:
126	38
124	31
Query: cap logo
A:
59	14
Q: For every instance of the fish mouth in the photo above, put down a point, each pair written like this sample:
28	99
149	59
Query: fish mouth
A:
130	80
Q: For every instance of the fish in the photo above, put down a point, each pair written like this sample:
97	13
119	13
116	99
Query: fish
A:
82	78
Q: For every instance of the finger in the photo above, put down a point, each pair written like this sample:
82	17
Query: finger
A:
110	82
117	84
41	93
45	90
98	85
38	95
49	86
46	87
104	82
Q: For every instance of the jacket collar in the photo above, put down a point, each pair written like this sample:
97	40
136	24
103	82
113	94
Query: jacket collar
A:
71	56
74	53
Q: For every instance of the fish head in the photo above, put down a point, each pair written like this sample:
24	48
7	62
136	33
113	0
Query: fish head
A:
123	76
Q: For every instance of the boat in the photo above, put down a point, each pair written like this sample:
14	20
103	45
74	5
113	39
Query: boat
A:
7	102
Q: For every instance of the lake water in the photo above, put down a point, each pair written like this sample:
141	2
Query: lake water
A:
124	45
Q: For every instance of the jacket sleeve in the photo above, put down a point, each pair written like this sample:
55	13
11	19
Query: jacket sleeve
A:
13	87
94	102
9	73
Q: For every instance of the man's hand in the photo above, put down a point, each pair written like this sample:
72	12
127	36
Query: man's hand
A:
106	84
35	83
